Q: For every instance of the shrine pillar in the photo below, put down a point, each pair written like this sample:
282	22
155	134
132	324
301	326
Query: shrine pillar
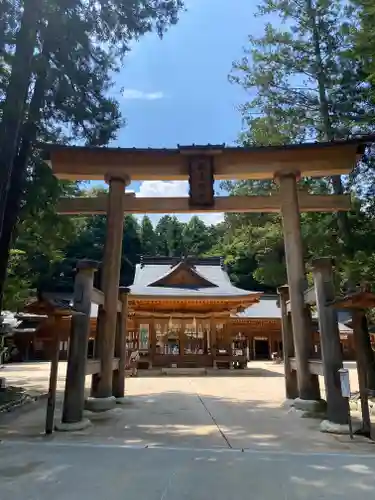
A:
337	406
291	387
118	380
307	388
110	286
74	395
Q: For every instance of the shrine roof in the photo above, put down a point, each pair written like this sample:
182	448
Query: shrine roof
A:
267	308
208	277
60	301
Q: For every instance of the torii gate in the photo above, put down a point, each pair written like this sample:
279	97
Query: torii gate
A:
201	165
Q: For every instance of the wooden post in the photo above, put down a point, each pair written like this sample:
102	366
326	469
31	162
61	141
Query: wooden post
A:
118	382
297	283
213	340
110	283
310	329
370	359
51	402
291	387
74	397
337	406
99	327
360	350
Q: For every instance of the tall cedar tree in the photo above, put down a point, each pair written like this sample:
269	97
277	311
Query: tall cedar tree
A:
74	46
304	83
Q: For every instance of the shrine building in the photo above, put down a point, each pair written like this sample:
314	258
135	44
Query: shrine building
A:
182	313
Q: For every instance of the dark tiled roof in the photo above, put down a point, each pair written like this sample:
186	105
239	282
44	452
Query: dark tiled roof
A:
210	269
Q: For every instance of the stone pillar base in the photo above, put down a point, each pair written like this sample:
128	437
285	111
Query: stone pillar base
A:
73	426
100	404
287	403
125	400
312	406
333	428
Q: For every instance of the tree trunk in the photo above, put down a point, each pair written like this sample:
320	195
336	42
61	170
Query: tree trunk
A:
16	97
29	134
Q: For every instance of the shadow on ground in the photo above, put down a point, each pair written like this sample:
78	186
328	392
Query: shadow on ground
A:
192	419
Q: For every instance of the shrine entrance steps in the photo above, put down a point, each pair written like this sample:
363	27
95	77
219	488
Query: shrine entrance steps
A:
194	372
185	372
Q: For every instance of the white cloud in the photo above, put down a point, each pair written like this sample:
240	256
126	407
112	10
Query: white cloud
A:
132	94
165	189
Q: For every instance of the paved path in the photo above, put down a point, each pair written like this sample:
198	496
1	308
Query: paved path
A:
75	471
205	412
182	438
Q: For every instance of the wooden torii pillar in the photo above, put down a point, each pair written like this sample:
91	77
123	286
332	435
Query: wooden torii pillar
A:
309	394
102	396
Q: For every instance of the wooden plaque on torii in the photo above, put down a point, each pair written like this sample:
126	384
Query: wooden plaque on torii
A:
201	181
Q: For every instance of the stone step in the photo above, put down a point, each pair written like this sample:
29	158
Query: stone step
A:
184	371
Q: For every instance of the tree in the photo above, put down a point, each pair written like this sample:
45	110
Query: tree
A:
16	95
68	82
148	237
176	244
196	237
131	249
161	231
18	283
306	86
364	42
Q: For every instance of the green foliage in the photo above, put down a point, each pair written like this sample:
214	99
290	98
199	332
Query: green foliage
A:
364	41
168	239
305	82
304	85
18	283
80	44
148	237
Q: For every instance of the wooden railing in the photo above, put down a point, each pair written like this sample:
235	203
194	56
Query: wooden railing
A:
93	366
315	366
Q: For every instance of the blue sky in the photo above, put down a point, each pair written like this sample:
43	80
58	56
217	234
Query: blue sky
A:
176	90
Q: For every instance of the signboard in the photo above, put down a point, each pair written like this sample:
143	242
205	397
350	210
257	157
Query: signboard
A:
201	181
345	382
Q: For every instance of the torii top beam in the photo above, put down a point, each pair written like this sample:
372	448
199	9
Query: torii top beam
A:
309	159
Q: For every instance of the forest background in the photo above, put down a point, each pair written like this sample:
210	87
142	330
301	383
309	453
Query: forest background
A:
313	79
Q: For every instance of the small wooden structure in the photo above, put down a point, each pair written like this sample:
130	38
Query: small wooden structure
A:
357	301
329	363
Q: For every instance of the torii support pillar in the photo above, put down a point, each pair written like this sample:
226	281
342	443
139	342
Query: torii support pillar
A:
110	286
74	397
291	387
337	406
308	390
118	381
